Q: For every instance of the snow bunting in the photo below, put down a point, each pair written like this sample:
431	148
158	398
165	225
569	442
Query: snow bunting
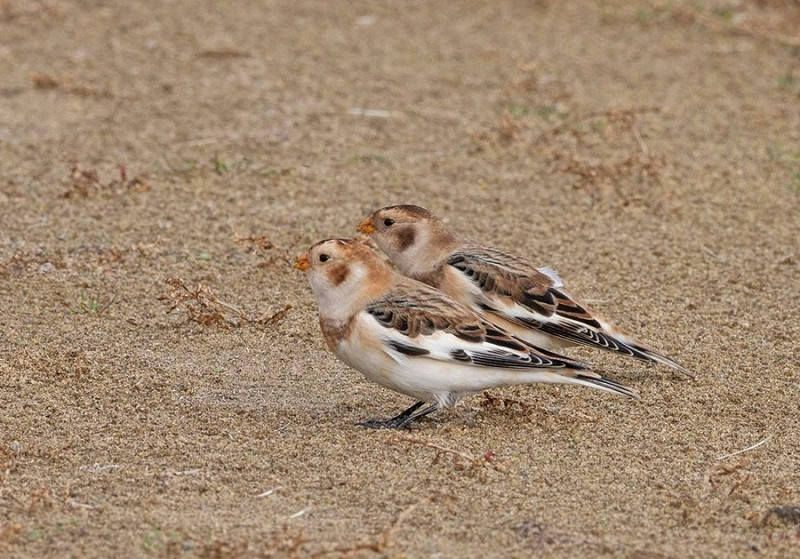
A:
413	339
509	291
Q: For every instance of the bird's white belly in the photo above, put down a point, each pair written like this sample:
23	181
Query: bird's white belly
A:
425	378
372	360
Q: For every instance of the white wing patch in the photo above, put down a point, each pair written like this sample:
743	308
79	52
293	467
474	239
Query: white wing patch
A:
553	275
446	347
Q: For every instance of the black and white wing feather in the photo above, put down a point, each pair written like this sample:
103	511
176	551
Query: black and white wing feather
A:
535	299
416	322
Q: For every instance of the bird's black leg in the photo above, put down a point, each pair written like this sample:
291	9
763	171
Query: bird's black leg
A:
402	419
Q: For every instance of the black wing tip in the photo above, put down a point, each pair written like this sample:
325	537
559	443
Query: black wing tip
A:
611	386
616	344
652	356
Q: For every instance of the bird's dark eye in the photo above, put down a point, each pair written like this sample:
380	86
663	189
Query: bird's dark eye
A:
388	222
324	257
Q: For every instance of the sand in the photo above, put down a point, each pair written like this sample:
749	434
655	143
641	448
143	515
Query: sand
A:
176	156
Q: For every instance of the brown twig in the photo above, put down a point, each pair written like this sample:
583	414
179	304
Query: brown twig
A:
84	182
275	317
260	244
591	176
205	308
67	85
202	304
255	243
627	117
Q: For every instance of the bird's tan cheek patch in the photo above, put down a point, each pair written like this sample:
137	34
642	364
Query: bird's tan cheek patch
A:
405	238
338	274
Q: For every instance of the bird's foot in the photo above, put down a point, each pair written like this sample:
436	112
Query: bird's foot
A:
401	420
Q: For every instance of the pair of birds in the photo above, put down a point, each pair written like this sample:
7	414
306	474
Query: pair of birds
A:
455	317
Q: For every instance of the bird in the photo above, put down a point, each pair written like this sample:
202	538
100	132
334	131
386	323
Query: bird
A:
413	339
530	303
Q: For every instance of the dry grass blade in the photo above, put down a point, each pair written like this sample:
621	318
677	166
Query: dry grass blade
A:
384	540
719	24
291	543
223	53
510	403
508	130
748	449
472	461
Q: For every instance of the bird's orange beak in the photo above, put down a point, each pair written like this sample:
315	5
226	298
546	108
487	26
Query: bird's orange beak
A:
366	227
302	262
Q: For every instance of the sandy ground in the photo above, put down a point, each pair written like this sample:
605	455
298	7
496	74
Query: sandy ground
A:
159	156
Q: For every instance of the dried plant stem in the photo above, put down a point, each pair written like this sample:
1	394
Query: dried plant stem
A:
718	24
472	460
748	449
384	540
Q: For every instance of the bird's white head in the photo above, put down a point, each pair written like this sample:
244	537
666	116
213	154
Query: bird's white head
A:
412	237
344	275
